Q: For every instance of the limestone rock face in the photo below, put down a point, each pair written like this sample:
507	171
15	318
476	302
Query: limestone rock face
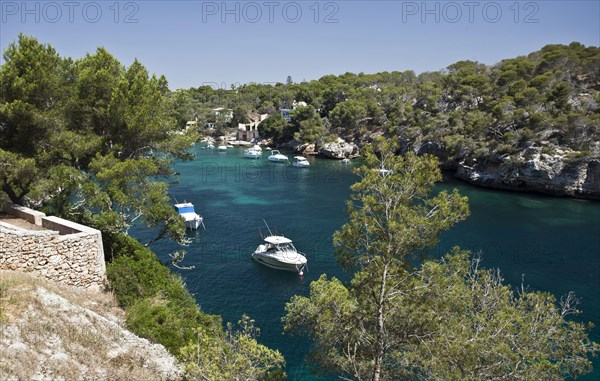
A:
306	149
338	150
550	174
73	334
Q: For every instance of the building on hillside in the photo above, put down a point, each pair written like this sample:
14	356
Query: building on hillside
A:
226	112
286	113
249	131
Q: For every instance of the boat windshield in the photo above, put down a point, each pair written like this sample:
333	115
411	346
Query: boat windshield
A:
281	247
186	209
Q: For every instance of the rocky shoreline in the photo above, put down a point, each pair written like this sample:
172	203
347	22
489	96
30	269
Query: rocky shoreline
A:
561	172
547	174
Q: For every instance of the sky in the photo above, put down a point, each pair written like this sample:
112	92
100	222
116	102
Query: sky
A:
224	43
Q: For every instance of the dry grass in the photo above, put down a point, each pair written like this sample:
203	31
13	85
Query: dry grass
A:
51	331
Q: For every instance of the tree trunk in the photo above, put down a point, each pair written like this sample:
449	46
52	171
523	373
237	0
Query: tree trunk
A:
380	329
12	194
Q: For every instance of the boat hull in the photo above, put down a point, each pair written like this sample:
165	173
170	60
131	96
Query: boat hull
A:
193	224
276	264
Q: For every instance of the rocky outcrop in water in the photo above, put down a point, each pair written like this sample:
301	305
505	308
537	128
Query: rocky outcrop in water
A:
552	174
338	150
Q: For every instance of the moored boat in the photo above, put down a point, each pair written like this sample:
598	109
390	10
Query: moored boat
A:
253	152
192	219
278	252
300	162
276	156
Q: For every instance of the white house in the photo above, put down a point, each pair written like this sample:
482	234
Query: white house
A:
226	112
286	112
249	131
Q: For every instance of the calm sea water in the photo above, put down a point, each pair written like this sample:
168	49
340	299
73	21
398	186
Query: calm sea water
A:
554	243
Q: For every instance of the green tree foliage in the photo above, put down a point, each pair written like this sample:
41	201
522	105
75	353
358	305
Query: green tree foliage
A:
308	123
276	127
17	175
89	139
233	356
34	87
390	209
348	115
240	115
448	319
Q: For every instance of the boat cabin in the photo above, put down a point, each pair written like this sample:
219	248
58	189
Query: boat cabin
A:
186	207
279	243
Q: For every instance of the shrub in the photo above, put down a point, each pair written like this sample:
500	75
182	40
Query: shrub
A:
158	305
160	308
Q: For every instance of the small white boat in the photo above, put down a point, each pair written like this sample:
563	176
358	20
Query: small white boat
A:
222	148
278	252
346	161
210	146
300	162
253	152
278	157
192	219
230	146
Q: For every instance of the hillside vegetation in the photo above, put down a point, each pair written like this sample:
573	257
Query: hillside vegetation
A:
160	308
530	122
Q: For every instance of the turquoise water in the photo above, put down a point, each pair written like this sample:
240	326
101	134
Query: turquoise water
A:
554	242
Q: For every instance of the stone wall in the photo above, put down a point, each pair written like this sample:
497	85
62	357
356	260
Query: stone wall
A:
64	251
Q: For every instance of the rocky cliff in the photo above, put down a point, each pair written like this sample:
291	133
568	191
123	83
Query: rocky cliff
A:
546	168
544	173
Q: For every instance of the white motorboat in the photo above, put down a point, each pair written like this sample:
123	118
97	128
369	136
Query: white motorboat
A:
277	157
300	162
210	146
278	252
253	152
192	219
346	161
222	148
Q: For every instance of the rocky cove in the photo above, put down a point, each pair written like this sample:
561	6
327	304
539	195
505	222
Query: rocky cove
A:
546	169
553	171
